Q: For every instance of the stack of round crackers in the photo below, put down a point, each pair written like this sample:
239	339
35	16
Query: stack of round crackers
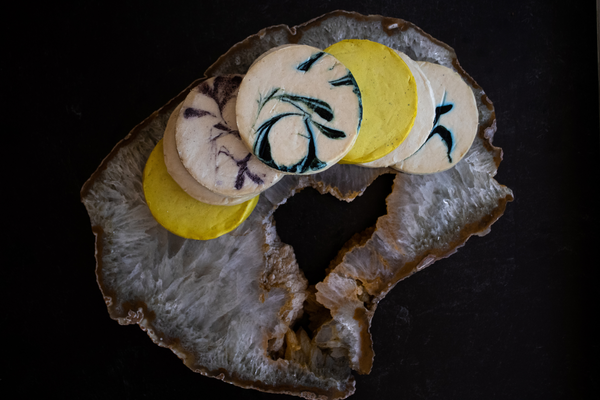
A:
300	110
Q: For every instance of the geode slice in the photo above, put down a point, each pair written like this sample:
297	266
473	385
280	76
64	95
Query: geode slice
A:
226	306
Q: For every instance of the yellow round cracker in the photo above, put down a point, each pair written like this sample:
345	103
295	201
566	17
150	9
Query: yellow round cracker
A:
389	97
181	214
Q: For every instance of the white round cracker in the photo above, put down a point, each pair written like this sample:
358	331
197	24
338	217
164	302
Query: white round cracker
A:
210	147
180	175
297	109
459	123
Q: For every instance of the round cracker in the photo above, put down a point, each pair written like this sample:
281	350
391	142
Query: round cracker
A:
210	147
181	214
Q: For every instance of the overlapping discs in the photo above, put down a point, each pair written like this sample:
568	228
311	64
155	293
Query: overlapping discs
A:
455	124
181	214
389	95
209	145
299	109
423	120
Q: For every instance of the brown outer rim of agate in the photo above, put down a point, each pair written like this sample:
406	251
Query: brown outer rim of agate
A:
294	34
367	353
302	391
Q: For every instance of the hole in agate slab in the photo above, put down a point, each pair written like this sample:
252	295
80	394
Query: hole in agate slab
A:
317	226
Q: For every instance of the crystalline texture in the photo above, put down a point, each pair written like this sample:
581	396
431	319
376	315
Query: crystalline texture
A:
226	306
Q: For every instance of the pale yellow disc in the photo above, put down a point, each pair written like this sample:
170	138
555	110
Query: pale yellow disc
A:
183	215
389	97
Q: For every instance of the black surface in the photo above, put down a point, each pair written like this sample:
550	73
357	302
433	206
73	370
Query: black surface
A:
318	226
510	316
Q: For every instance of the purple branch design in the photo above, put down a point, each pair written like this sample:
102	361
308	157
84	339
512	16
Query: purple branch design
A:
243	169
226	131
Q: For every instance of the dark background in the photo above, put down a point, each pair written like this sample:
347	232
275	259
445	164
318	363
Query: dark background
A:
512	315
